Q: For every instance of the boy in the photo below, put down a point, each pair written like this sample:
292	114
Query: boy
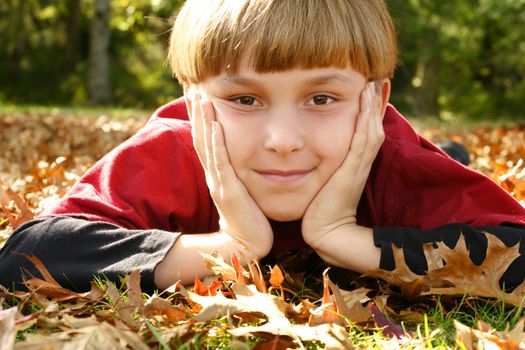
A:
290	143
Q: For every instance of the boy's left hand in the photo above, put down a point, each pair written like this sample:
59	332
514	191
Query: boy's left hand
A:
335	206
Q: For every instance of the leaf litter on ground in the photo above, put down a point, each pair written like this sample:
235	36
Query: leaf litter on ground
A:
283	305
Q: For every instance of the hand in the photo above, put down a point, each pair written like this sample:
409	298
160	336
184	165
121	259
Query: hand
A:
240	217
335	206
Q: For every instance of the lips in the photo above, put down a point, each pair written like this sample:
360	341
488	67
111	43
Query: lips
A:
284	176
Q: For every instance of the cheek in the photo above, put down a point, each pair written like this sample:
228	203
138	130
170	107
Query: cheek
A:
236	136
335	140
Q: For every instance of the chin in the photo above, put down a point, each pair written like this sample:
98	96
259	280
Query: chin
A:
283	216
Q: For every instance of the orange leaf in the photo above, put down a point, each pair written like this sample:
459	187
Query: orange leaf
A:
204	290
276	276
40	267
256	276
239	271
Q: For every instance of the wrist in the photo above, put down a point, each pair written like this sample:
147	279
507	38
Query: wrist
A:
250	250
316	238
350	246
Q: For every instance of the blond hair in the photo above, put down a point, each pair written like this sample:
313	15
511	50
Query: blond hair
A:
212	36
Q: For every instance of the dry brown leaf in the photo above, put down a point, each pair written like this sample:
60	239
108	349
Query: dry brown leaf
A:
410	283
257	276
156	306
57	293
349	304
100	336
334	337
124	309
134	291
219	267
452	272
487	338
41	268
466	277
7	328
327	312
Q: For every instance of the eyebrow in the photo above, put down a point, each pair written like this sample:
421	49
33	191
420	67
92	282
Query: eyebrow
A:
316	81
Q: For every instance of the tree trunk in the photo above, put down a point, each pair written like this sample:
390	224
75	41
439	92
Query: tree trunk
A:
72	34
99	88
426	92
16	50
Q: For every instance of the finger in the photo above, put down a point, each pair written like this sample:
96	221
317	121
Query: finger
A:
378	133
225	173
360	137
197	128
374	114
207	115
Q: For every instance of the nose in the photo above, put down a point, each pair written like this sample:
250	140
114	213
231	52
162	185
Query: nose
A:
284	132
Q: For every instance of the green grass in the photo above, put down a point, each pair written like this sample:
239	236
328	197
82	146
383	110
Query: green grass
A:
113	112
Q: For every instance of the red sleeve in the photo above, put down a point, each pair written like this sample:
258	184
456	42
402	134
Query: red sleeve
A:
153	180
416	185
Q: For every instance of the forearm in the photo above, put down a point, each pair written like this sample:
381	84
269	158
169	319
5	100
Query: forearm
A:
184	260
75	250
349	246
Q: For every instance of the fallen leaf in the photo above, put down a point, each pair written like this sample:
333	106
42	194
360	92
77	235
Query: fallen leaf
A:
276	276
201	289
219	267
7	328
410	283
156	306
388	328
487	338
464	276
100	336
257	276
349	304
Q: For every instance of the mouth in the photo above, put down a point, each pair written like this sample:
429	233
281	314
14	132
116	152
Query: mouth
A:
284	176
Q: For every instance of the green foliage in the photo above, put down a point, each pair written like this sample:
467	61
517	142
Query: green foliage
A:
461	57
457	57
47	46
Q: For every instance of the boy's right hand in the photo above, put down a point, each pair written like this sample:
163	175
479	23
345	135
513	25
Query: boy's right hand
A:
240	217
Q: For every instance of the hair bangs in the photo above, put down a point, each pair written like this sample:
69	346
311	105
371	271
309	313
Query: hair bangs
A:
279	35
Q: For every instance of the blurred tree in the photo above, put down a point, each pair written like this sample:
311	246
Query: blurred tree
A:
44	54
72	46
99	87
460	57
16	47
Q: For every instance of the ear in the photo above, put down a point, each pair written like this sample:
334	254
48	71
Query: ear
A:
384	87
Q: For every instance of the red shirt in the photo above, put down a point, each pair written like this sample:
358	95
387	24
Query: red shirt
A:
154	180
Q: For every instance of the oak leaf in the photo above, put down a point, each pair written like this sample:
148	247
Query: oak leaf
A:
463	276
410	283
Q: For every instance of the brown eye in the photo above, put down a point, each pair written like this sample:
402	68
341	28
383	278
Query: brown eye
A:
320	100
245	100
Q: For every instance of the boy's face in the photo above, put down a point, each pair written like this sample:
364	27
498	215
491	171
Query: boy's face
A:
286	132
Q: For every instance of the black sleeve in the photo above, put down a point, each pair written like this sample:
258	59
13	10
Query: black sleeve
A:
412	240
76	250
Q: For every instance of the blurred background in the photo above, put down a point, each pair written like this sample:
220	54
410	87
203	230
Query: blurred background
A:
459	58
